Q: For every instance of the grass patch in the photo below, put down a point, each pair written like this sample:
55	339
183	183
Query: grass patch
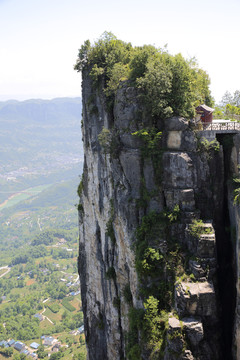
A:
45	325
54	317
67	305
54	307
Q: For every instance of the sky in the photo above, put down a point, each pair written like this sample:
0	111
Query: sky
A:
39	39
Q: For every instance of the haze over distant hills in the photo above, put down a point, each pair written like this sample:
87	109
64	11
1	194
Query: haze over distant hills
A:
40	110
40	143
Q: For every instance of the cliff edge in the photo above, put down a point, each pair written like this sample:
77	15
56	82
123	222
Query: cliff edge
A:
158	231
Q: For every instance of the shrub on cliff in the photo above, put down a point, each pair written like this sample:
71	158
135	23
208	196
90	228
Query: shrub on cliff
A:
168	85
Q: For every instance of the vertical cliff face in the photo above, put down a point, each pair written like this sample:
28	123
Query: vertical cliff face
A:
111	182
157	257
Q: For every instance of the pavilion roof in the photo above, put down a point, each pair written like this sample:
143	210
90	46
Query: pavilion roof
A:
205	108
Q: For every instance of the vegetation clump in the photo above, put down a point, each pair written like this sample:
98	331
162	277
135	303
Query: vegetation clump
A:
206	145
150	150
158	264
197	228
104	139
151	138
168	85
151	323
236	191
80	187
110	273
109	226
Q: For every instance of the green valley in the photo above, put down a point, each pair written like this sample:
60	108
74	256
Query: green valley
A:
41	161
39	284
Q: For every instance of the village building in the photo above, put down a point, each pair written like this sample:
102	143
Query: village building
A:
38	316
4	344
81	329
33	355
25	352
11	342
49	340
19	346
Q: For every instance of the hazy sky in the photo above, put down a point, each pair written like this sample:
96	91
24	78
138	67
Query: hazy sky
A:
39	39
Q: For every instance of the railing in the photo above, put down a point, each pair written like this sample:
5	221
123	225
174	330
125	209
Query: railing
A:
221	126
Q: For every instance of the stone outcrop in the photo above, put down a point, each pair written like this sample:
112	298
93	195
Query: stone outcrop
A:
196	299
119	187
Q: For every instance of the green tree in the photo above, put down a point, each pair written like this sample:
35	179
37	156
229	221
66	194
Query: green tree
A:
156	85
56	356
16	357
231	110
139	60
6	351
41	352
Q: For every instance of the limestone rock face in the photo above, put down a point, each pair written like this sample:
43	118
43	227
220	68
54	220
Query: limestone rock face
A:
119	187
194	330
110	186
196	299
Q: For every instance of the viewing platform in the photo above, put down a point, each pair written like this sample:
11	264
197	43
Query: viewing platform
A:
220	126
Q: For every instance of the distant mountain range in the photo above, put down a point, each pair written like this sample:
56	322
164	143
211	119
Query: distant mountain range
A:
37	110
40	142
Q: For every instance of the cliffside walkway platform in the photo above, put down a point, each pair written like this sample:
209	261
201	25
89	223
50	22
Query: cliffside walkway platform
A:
221	127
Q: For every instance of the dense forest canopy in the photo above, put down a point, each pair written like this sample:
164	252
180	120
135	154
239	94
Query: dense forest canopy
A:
169	85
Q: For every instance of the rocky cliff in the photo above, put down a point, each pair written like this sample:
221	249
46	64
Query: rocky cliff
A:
159	234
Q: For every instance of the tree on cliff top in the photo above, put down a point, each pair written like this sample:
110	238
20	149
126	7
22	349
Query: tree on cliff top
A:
169	85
